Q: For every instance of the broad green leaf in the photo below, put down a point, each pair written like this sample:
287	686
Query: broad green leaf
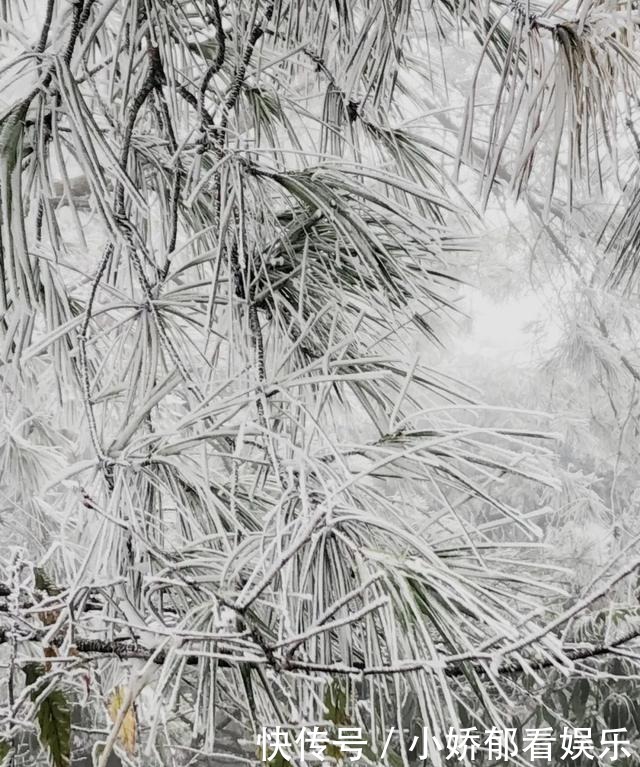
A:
54	719
5	748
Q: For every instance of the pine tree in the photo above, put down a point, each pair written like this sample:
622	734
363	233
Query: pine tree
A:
233	496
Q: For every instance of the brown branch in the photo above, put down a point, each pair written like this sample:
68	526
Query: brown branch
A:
44	34
217	64
174	202
240	74
76	28
186	94
126	649
154	79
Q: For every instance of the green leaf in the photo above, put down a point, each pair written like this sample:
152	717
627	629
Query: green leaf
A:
336	706
335	701
54	719
44	582
563	702
5	748
11	131
635	715
615	711
579	698
280	761
208	48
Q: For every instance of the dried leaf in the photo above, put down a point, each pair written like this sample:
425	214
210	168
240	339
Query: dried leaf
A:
129	728
49	652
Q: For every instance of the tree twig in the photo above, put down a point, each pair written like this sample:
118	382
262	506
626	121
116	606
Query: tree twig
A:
125	649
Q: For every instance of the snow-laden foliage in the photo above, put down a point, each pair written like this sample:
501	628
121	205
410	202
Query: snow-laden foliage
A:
232	496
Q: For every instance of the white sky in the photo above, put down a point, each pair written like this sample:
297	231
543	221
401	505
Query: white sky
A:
503	328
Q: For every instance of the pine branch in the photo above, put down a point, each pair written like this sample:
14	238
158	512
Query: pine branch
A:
126	649
44	34
238	80
217	64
